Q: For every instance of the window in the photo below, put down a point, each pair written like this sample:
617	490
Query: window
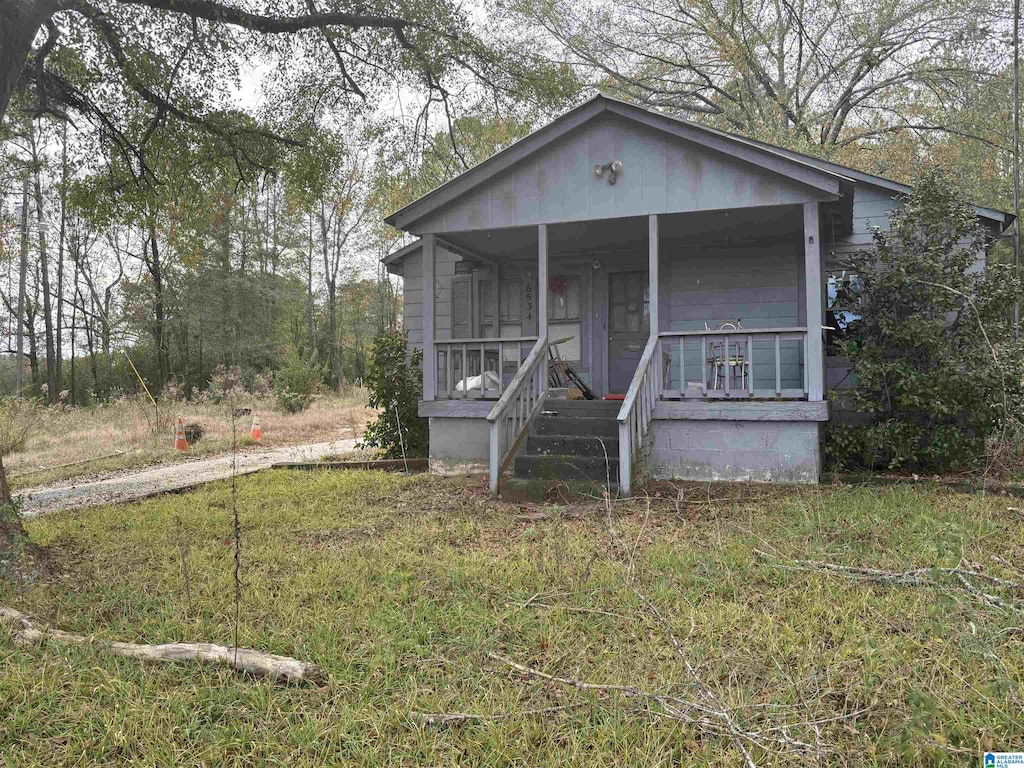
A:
842	313
510	301
564	297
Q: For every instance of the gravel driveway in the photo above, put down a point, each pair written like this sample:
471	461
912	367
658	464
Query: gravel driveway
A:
137	484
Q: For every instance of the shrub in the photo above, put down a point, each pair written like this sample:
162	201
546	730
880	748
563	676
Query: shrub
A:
223	383
296	383
935	368
395	382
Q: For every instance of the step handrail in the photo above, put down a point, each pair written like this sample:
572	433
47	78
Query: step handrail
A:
637	409
518	406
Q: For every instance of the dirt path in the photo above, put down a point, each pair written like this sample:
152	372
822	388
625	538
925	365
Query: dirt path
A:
137	484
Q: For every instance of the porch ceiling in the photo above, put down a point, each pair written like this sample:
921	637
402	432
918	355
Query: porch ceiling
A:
742	225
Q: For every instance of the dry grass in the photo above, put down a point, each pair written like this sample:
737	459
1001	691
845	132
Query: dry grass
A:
88	439
406	588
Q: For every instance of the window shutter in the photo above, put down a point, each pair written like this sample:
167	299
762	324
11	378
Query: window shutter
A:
487	306
511	304
462	308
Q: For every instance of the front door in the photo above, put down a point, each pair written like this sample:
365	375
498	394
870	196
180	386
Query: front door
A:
628	327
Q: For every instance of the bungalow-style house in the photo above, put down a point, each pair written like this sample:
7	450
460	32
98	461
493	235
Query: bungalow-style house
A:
686	276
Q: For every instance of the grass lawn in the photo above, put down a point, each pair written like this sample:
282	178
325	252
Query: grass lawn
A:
124	434
399	587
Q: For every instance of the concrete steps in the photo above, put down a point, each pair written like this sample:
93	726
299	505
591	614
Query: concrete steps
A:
566	468
572	445
572	441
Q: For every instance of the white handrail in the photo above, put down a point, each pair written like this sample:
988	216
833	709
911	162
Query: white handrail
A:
481	349
637	409
730	351
520	403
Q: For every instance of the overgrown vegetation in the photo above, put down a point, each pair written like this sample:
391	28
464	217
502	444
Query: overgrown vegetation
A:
395	383
935	368
68	443
400	587
17	419
296	383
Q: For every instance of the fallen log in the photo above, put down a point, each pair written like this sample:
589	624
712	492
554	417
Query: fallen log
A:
280	669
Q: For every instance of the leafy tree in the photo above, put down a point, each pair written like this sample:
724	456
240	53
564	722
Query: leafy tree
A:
183	57
935	368
835	77
328	179
395	381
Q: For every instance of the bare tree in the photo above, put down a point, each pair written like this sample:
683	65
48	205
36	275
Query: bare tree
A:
819	75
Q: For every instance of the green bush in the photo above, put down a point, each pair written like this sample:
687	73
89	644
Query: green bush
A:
936	370
395	383
296	383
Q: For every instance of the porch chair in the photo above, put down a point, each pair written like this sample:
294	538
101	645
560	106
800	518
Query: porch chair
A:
723	364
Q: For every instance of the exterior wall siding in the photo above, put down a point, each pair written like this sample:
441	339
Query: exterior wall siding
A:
870	205
661	174
762	286
412	299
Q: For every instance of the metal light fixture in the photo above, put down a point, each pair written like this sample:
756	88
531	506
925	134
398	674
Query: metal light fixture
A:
614	168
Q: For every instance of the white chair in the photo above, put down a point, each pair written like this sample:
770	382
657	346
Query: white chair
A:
723	363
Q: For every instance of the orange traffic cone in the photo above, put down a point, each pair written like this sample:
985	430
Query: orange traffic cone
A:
180	443
257	431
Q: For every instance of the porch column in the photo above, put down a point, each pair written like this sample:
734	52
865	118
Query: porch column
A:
429	354
542	280
652	271
815	356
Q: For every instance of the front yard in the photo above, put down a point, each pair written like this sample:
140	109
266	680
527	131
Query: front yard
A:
402	587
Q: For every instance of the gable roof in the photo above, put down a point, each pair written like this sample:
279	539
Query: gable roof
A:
821	174
764	156
994	214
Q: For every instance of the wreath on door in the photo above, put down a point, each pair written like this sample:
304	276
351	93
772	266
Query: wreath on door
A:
558	284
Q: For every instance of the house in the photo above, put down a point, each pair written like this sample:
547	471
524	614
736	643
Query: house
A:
686	275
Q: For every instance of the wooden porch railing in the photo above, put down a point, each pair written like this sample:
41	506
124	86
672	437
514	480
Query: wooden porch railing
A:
511	416
460	359
732	353
636	411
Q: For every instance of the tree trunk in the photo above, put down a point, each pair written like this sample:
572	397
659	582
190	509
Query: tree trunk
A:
61	235
279	669
31	307
159	321
311	330
5	487
19	22
44	271
76	292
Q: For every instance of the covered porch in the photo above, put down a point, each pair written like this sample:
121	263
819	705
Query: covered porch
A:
696	309
729	311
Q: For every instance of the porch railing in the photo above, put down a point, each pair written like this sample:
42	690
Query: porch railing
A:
459	360
779	354
636	411
511	416
763	362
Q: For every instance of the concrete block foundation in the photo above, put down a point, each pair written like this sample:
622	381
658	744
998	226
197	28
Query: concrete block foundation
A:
760	451
459	446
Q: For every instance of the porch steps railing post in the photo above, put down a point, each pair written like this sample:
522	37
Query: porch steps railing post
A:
636	412
511	416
